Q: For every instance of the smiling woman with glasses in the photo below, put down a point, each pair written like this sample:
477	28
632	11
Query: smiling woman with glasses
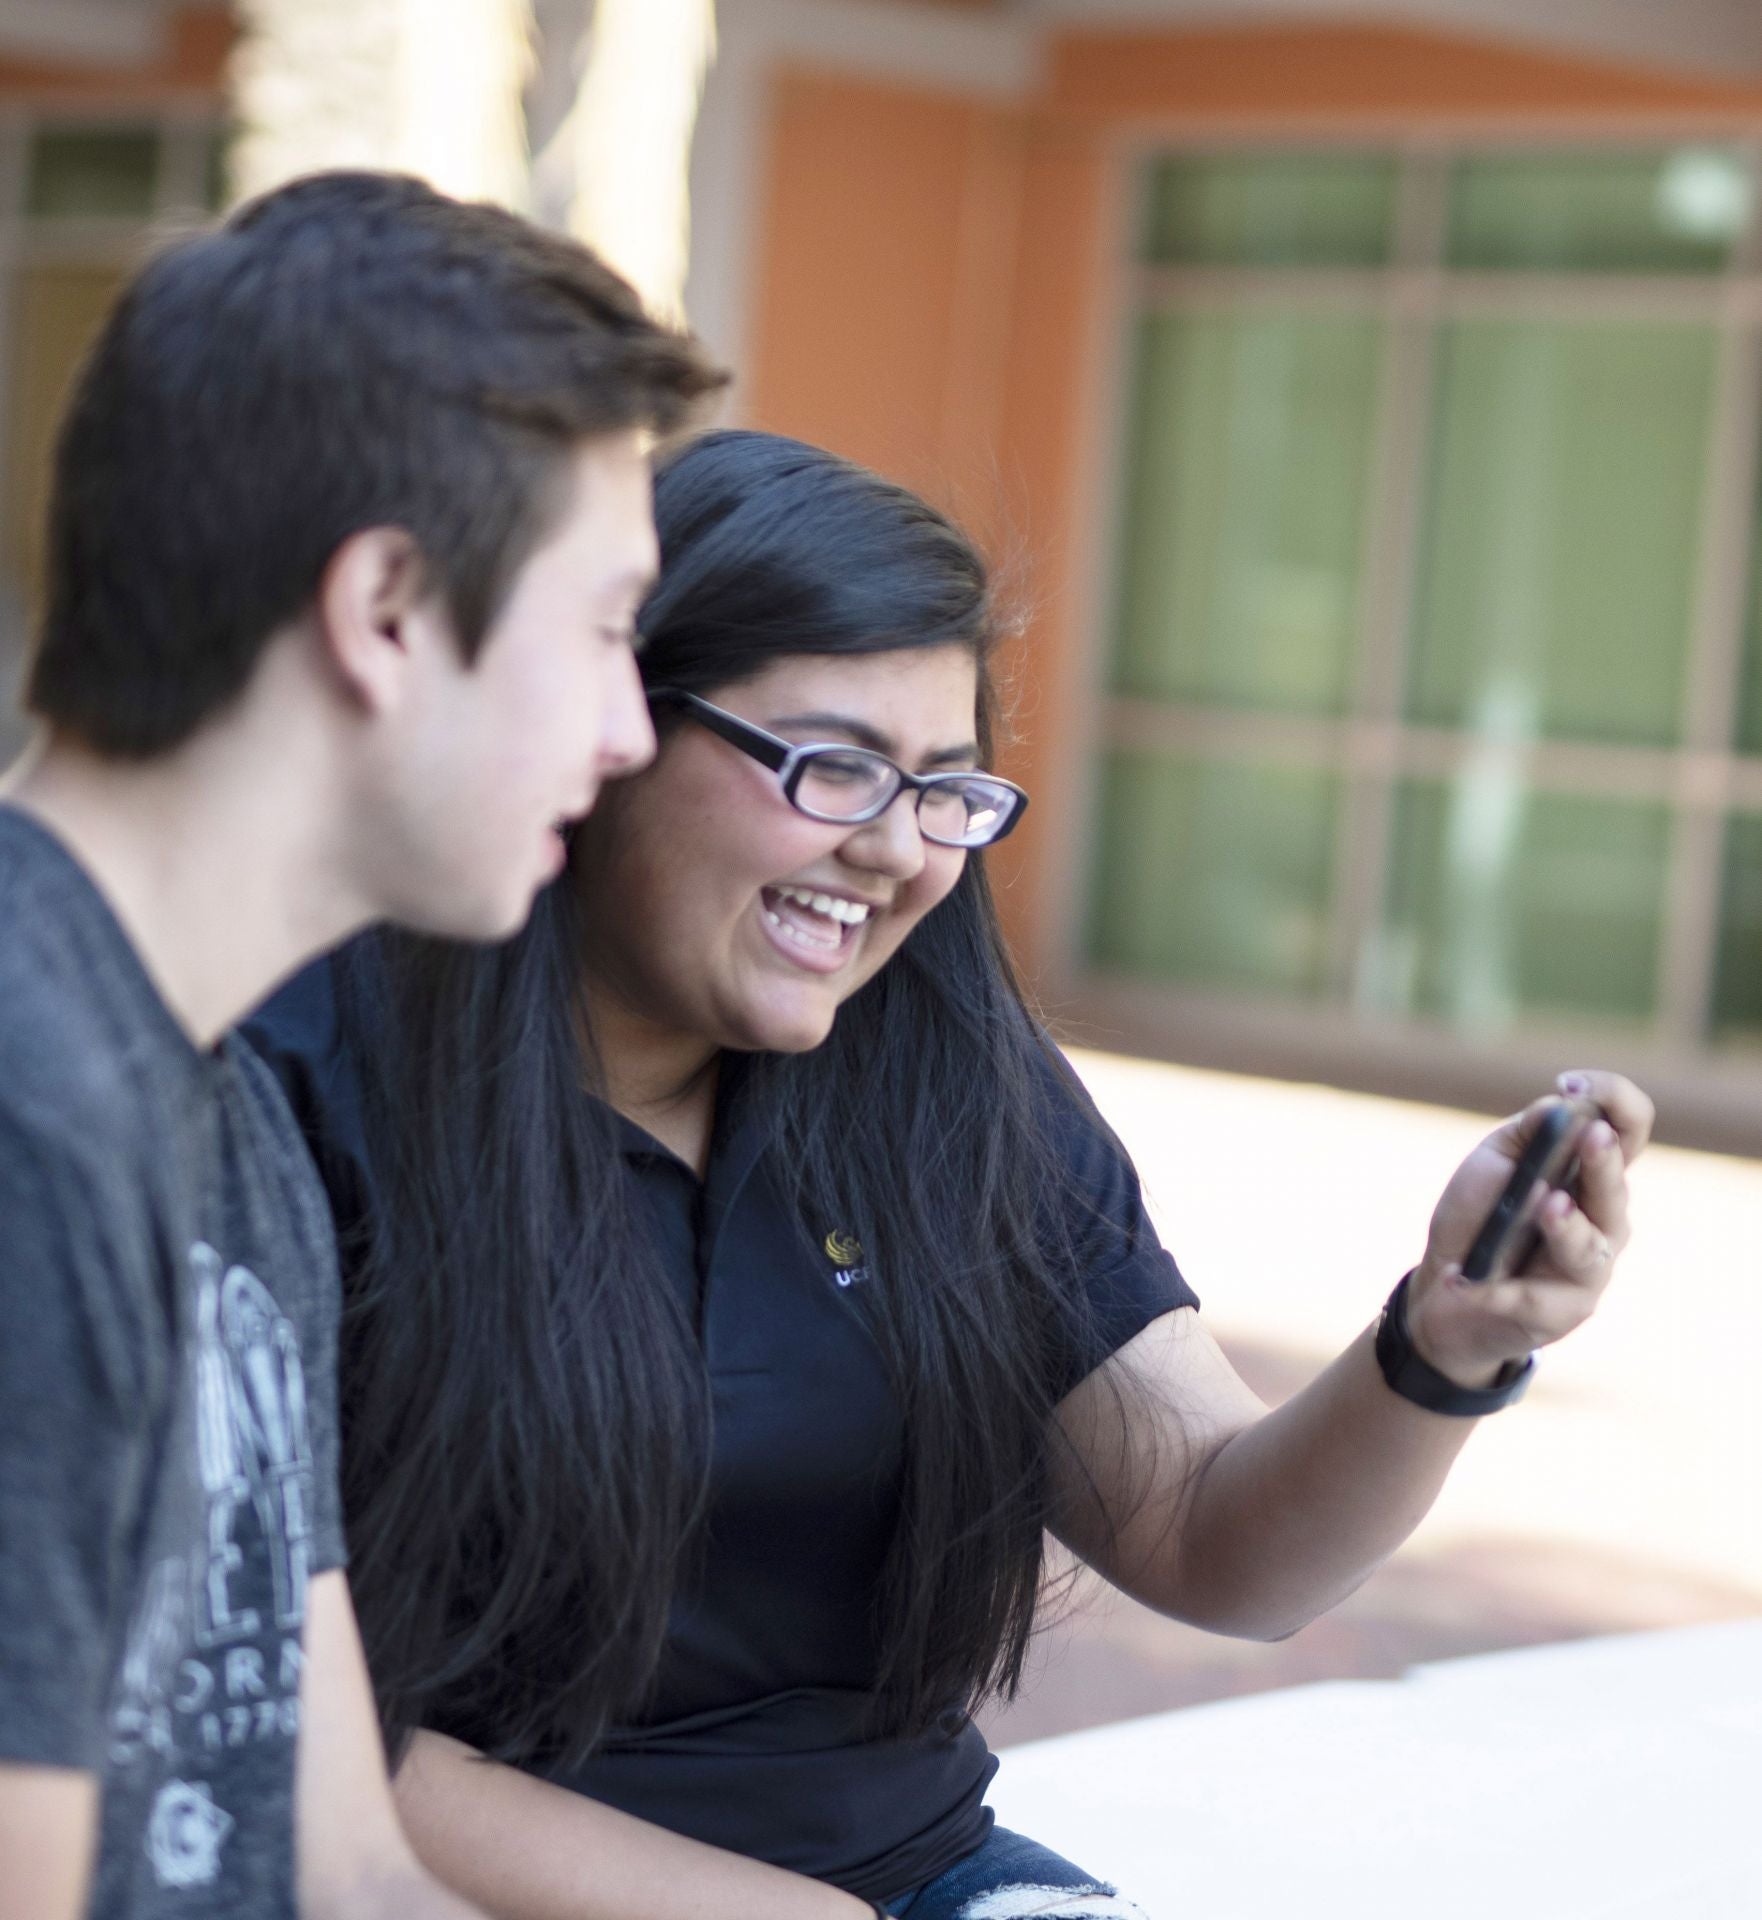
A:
744	1286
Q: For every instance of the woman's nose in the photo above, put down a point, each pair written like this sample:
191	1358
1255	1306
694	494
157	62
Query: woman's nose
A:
891	842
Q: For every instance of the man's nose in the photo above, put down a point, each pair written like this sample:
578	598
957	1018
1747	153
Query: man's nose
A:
628	738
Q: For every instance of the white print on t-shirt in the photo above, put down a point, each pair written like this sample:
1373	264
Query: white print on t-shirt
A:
252	1442
174	1698
203	1672
185	1835
156	1640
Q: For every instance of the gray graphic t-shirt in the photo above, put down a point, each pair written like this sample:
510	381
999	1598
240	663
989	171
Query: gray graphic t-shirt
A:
168	1301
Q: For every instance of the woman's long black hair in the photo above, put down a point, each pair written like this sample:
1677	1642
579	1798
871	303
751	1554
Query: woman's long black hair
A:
526	1409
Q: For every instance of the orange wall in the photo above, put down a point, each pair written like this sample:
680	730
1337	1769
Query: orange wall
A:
885	307
934	286
1306	73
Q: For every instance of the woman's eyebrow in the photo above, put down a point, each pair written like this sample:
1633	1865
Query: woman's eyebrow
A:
865	735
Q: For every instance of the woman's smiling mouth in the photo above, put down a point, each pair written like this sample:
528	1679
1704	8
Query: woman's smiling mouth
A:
814	927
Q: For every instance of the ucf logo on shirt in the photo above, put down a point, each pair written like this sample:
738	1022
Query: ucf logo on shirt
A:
845	1252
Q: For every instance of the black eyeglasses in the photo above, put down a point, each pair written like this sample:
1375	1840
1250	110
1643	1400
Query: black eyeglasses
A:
848	785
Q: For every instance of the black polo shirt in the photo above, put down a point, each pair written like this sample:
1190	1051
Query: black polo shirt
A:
753	1741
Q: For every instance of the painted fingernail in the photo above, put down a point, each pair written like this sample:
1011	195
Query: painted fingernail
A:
1601	1137
1573	1083
1559	1205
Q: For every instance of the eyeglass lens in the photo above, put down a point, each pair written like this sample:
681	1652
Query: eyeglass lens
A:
853	784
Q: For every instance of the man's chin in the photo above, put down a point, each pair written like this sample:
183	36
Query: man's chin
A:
488	923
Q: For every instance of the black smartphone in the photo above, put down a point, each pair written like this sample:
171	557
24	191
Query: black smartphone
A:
1509	1235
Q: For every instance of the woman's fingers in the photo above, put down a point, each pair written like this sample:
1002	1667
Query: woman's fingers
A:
1602	1183
1627	1109
1578	1250
1463	1326
1558	1291
1514	1134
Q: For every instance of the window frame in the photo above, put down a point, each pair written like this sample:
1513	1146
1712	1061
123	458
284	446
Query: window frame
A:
1703	780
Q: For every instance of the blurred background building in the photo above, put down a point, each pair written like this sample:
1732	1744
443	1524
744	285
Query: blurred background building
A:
1363	400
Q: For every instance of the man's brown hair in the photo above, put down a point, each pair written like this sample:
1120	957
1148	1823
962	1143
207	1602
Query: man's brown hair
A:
351	351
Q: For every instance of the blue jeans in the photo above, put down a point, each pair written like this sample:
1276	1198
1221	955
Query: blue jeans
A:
1013	1878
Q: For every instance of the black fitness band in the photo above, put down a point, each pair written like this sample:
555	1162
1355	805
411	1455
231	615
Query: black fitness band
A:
1416	1379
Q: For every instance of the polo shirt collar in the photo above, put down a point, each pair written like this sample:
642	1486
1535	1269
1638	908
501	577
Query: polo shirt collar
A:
739	1133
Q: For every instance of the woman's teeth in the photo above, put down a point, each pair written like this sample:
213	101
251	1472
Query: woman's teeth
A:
806	905
848	913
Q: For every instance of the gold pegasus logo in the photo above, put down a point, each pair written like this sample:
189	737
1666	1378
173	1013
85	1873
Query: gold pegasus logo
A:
843	1249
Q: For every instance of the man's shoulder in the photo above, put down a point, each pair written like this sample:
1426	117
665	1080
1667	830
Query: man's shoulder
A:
61	1076
76	1052
66	1063
80	1207
89	1135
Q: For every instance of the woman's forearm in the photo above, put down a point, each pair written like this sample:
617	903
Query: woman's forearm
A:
1175	1482
1296	1510
524	1849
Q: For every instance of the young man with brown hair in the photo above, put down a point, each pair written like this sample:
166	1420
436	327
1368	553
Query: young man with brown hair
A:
349	527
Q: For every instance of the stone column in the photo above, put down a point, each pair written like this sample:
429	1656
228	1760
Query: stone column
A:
431	87
631	137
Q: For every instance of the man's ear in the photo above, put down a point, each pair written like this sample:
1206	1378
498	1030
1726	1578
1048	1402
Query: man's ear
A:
371	589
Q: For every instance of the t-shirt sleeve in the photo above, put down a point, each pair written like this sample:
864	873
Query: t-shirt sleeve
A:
77	1350
1100	1224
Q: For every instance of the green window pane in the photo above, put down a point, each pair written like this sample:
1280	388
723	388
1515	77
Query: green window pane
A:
1748	723
1737	981
1678	211
108	174
1503	902
1214	873
1271	210
1248	475
1563	529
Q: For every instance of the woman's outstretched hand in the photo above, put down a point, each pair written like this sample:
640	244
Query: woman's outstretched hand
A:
1469	1329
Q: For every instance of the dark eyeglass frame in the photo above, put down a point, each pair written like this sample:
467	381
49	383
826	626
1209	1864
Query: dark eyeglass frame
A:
791	762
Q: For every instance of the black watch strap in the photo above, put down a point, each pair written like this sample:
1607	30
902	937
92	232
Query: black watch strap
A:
1418	1380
